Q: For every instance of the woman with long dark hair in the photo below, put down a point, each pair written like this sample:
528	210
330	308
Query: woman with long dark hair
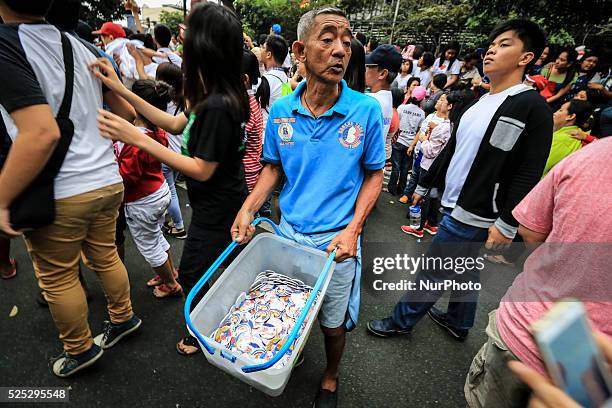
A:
448	64
213	136
586	71
355	71
560	75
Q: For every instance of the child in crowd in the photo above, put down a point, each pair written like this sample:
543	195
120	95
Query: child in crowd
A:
572	116
414	151
172	75
254	127
147	195
433	140
436	88
411	116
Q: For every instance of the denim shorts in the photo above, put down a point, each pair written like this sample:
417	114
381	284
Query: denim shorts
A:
335	304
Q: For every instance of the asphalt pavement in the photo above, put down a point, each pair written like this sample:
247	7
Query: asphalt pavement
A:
426	368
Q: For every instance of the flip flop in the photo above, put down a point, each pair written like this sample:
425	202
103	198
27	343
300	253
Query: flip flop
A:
13	272
156	280
164	291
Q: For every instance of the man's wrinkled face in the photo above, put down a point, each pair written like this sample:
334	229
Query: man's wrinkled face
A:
505	53
327	48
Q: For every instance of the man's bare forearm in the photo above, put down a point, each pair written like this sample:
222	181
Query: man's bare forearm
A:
26	159
268	179
368	194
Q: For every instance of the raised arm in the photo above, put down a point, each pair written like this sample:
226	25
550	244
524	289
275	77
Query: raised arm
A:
103	70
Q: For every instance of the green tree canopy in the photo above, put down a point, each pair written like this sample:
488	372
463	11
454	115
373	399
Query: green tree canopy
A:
96	12
171	18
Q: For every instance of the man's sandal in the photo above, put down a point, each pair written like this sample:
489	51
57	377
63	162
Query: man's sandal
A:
157	280
164	291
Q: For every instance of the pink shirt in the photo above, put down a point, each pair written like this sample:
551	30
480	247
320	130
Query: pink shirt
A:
573	205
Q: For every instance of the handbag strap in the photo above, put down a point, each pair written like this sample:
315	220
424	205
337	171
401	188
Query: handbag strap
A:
63	116
64	111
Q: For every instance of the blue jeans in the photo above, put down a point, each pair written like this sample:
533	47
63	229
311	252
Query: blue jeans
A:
414	179
175	207
453	240
400	163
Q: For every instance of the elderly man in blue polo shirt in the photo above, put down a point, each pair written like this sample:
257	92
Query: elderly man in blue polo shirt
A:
328	141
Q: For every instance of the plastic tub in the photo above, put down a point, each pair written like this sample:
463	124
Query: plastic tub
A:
265	252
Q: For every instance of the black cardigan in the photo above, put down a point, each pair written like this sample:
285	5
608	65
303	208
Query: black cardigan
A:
508	164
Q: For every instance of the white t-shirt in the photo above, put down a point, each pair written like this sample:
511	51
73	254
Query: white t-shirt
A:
472	128
151	70
424	76
172	57
385	99
174	141
276	78
411	117
401	82
438	68
90	161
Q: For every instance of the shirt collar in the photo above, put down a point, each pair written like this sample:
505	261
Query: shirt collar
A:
341	106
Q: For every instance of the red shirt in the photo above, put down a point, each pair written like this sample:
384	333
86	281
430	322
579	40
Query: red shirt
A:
142	174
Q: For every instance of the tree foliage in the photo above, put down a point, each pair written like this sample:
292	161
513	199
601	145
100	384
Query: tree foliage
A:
565	21
96	12
259	15
171	18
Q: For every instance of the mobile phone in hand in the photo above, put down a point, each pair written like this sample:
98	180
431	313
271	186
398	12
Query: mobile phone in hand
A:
571	355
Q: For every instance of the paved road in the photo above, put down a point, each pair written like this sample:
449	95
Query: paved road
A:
424	369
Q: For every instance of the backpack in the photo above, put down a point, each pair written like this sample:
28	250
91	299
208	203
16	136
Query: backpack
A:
285	87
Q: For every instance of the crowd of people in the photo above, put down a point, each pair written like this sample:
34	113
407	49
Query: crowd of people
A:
312	132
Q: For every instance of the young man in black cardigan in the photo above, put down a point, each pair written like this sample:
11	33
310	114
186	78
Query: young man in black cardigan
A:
495	156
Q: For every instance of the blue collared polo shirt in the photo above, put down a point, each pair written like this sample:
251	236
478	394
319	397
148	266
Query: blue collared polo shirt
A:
324	158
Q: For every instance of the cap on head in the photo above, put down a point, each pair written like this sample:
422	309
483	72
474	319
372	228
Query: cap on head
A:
419	93
111	29
386	56
276	29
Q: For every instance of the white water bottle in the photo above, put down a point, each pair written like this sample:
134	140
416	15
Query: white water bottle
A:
415	216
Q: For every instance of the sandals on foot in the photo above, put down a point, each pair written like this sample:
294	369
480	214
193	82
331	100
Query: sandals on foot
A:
189	341
156	280
164	291
13	271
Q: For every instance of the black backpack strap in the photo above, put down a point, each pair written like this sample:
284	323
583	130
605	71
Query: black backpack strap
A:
64	111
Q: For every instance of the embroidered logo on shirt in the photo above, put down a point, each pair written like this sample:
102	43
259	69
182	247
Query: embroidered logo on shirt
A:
284	120
285	131
351	135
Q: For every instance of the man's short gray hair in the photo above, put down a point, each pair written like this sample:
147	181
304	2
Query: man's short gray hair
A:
307	20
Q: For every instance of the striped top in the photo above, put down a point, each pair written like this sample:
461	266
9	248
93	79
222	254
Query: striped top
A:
252	154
